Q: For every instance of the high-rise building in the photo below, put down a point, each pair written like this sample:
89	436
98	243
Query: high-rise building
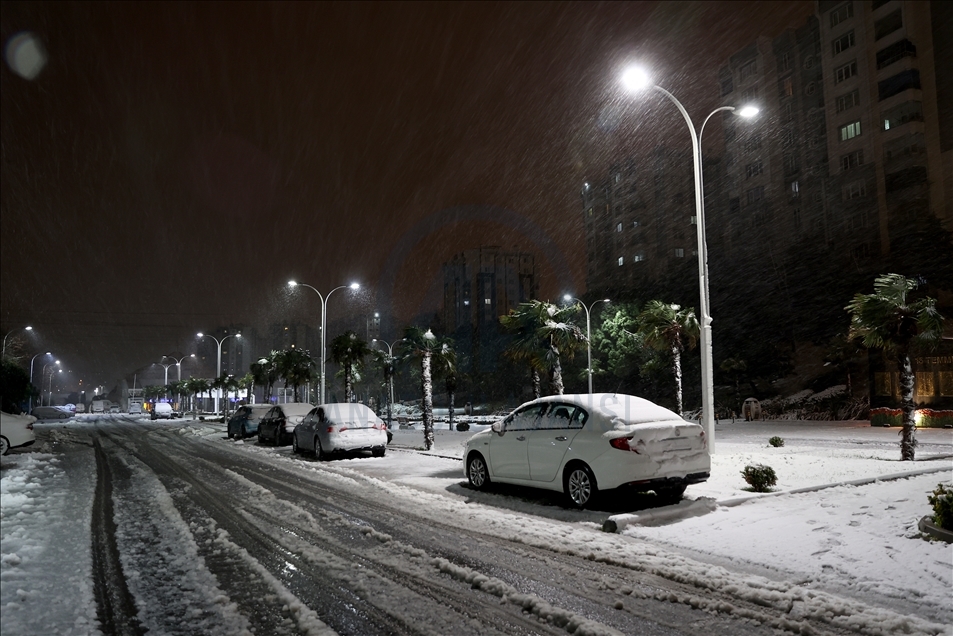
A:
480	285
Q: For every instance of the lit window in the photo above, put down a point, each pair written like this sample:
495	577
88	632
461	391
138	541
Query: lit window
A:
635	224
693	220
679	252
620	261
618	227
486	301
849	131
787	87
794	189
638	258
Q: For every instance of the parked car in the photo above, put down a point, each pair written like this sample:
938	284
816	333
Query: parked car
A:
278	424
115	408
581	444
51	413
164	411
244	423
340	428
15	431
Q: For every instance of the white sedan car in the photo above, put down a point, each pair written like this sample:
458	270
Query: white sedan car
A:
15	431
340	428
581	444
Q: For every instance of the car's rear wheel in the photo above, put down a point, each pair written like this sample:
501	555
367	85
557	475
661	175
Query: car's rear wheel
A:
318	450
4	445
580	486
477	472
378	451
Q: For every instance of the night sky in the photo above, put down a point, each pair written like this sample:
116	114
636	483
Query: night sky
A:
174	164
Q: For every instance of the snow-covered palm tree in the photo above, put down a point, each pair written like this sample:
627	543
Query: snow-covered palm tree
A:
890	321
543	337
422	345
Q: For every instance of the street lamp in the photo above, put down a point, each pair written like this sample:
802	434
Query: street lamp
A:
588	309
178	363
390	380
218	366
3	353
324	312
30	402
636	79
43	376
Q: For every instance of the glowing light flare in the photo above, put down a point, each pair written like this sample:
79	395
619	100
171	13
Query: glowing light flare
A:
748	111
25	55
636	79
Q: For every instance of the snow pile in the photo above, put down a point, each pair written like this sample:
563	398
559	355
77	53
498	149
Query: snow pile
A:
45	545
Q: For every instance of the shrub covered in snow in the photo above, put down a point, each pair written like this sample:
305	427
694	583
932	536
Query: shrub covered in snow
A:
760	477
776	441
942	502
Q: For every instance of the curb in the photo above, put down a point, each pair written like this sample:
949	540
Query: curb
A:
927	527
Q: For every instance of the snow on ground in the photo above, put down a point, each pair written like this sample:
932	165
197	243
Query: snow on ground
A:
45	543
796	545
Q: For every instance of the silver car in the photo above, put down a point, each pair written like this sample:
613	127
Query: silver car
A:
340	428
581	444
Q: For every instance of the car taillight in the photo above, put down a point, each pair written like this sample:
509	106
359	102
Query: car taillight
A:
623	443
704	439
341	429
29	426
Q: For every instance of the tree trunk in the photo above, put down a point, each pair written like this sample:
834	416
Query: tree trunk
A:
534	375
347	383
677	368
427	381
908	441
390	403
556	374
450	395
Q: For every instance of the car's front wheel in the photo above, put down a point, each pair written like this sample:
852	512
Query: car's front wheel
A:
580	486
318	450
294	444
477	472
4	445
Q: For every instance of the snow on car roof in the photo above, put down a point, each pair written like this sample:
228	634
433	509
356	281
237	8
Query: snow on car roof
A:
348	412
627	409
296	408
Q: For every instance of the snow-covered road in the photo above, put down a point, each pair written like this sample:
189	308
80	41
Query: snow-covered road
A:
195	534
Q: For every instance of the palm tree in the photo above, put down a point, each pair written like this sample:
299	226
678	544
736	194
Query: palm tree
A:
265	373
387	363
543	337
247	382
152	393
226	384
669	327
295	366
445	361
888	320
349	351
196	387
423	345
177	388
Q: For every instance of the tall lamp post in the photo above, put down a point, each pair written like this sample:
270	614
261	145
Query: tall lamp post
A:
3	353
636	79
390	380
588	309
30	402
43	377
178	364
218	365
324	317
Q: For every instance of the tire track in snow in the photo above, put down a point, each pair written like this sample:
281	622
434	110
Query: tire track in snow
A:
115	606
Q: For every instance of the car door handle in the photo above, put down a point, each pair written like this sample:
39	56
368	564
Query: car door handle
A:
561	438
521	438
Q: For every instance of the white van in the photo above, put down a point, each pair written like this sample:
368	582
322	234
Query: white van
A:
164	411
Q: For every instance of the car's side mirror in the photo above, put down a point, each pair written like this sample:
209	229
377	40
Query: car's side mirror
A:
498	428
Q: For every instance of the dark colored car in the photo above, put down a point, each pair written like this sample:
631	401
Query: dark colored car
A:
278	424
244	423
